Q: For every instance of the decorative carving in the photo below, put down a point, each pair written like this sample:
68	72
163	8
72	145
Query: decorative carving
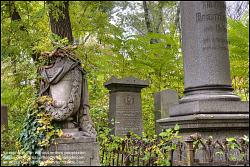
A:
129	100
65	81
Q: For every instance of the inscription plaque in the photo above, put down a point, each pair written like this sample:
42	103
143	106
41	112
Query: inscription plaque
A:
128	113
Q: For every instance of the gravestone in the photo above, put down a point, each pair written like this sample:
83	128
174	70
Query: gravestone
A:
4	116
64	81
125	113
81	152
209	105
163	100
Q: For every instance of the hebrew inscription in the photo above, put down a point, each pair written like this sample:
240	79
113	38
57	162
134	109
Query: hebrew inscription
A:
128	113
212	21
205	44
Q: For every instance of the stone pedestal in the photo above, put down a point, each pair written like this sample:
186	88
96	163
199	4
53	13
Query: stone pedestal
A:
163	100
209	106
73	152
125	113
4	116
217	125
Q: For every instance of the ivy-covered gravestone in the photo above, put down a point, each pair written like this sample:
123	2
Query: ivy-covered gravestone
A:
64	81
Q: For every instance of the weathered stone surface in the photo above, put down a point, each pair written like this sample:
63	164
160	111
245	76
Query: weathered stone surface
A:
4	116
128	116
210	107
216	125
64	80
74	152
128	81
163	100
125	113
205	49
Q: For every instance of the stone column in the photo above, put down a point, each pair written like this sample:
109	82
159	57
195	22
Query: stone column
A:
209	106
163	100
205	49
125	113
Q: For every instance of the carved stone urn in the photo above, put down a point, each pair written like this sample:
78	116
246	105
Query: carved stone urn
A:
64	80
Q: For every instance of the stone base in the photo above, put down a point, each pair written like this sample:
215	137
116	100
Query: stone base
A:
213	93
210	118
73	152
210	107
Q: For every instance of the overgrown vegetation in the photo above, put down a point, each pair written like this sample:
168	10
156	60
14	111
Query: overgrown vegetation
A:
105	49
149	147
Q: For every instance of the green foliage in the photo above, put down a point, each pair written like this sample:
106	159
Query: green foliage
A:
105	49
99	116
155	146
234	145
238	36
38	132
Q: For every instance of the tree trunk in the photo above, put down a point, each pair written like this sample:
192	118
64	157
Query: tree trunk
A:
177	20
160	6
148	21
61	26
14	16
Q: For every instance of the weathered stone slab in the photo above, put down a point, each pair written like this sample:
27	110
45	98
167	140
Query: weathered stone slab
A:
210	107
4	116
128	116
130	84
125	113
163	100
73	152
216	125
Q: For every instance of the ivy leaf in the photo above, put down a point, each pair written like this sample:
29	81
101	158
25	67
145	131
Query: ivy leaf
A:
177	127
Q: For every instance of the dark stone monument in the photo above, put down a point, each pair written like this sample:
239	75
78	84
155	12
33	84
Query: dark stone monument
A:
4	117
163	100
125	113
209	106
64	80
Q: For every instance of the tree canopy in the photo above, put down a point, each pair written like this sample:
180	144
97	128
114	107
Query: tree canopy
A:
114	38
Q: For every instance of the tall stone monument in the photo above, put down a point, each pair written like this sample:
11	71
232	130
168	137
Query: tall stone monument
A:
163	100
209	106
125	113
64	81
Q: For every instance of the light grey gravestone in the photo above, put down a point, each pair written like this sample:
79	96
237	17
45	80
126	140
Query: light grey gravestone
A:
4	116
209	106
125	111
163	100
64	80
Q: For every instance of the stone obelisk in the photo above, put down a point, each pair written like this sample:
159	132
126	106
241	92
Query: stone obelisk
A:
205	48
209	106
